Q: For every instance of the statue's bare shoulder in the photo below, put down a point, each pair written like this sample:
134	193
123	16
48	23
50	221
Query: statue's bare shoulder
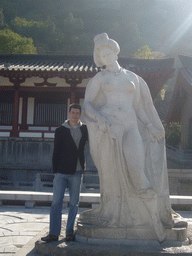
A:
132	76
93	87
97	79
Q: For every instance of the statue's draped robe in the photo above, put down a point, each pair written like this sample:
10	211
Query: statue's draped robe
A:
121	205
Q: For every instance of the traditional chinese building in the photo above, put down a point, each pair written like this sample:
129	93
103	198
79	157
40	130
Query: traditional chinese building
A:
35	93
181	103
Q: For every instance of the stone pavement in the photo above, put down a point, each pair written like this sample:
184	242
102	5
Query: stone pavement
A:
21	229
20	225
62	248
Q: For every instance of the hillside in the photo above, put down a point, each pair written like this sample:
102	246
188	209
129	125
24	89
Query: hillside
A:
65	27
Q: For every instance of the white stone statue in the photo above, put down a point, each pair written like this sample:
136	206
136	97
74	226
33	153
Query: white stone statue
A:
127	145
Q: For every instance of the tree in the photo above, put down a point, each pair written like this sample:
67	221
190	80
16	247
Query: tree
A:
12	42
1	18
42	32
161	24
146	53
71	35
126	29
173	133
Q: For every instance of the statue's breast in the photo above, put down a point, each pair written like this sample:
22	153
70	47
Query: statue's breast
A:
129	86
108	86
118	83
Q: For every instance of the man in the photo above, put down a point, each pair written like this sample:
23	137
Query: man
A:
68	165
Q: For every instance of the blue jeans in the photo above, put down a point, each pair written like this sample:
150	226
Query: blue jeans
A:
60	183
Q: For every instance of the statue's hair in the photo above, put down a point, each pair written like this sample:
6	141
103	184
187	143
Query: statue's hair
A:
101	41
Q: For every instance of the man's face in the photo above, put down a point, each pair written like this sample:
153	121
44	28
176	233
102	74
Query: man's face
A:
74	115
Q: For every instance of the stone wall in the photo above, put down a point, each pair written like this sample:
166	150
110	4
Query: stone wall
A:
180	181
26	153
22	158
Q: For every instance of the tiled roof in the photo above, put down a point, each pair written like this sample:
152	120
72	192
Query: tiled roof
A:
183	89
186	68
76	63
186	61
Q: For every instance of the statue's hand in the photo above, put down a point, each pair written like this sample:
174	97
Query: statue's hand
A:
156	134
102	123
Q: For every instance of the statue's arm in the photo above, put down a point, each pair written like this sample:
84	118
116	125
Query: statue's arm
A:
92	91
144	108
137	103
93	97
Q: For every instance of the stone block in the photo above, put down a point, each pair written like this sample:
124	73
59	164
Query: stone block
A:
93	234
29	204
94	206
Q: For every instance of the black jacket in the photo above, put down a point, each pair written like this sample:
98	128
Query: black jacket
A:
66	153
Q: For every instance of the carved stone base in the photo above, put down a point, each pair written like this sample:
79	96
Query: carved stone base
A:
93	234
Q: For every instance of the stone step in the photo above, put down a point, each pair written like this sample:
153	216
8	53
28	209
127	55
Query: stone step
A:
89	198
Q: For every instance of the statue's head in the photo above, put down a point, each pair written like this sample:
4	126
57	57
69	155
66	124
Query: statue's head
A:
102	41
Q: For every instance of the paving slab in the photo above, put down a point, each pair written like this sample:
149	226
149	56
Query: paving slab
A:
21	230
61	247
78	249
19	225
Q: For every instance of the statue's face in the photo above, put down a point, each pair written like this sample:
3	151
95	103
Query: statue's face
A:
108	56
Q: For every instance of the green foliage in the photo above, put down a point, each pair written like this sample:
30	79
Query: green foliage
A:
73	23
162	94
43	33
71	36
14	43
72	30
1	18
33	29
53	27
146	53
22	22
173	133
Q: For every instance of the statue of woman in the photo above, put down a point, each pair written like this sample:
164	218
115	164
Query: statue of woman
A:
127	146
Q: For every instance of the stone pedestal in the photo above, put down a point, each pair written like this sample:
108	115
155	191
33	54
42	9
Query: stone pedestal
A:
140	235
114	247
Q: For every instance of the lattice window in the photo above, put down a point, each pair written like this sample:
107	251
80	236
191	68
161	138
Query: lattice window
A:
6	113
50	113
190	133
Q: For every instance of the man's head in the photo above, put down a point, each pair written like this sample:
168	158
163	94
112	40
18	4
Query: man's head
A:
74	114
76	106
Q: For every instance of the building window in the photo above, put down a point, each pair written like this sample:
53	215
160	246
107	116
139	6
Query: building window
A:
6	113
6	108
50	113
190	133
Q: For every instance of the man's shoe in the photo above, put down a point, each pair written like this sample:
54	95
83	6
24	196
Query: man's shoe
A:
69	238
49	238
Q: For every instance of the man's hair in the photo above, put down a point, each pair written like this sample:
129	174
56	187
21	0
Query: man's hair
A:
75	105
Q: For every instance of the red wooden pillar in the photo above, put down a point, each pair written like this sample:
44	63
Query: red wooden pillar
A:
73	81
73	96
24	114
14	132
16	81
